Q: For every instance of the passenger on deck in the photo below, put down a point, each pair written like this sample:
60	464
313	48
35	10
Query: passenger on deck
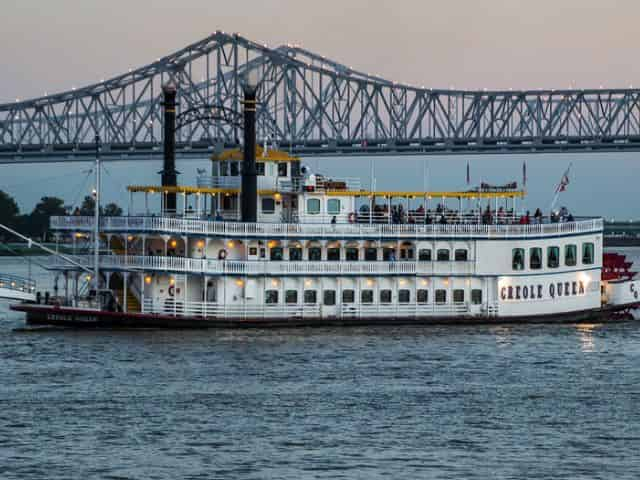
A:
443	219
219	217
537	216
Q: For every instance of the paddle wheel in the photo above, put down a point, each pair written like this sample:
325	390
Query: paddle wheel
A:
618	286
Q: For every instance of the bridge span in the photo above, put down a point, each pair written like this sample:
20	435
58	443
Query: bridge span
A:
311	106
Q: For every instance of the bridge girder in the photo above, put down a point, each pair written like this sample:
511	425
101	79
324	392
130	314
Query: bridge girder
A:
311	106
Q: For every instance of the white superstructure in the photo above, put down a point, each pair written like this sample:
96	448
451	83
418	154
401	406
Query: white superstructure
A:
323	248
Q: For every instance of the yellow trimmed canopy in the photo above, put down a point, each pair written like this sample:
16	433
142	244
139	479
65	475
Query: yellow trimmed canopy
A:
271	156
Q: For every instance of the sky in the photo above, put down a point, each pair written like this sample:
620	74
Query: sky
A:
49	46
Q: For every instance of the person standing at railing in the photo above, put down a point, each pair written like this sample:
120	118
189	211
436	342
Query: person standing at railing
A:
537	216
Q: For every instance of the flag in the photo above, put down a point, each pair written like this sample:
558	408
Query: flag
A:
468	174
564	181
524	174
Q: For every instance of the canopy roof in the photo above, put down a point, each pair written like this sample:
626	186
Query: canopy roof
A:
237	154
332	193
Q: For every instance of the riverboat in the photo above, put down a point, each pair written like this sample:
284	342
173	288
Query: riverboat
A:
265	241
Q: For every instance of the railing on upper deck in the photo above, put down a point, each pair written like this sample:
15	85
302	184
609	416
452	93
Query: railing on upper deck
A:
255	267
186	226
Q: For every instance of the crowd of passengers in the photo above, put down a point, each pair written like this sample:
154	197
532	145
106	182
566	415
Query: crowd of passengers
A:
443	216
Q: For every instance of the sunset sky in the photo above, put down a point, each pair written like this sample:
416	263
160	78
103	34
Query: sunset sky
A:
54	45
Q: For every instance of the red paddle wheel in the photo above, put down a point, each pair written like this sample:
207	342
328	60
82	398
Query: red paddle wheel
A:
616	267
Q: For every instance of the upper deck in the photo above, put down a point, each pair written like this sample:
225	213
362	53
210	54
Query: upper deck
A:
201	227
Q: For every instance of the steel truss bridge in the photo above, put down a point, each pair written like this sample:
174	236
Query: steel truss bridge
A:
310	105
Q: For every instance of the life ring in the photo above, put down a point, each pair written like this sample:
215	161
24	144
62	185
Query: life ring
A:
171	290
222	254
352	217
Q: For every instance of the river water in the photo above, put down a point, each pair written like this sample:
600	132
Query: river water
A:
534	401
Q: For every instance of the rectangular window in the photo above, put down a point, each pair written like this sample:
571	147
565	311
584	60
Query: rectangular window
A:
366	296
388	254
348	296
371	254
423	296
441	297
313	206
260	169
329	297
461	255
404	296
282	169
385	296
271	297
352	254
333	206
588	253
535	258
295	254
424	255
458	296
553	257
268	205
476	296
315	254
253	251
276	254
291	296
235	169
333	254
443	255
570	255
310	297
517	259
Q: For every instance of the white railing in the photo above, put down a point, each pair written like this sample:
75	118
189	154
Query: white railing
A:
188	226
216	310
239	267
16	283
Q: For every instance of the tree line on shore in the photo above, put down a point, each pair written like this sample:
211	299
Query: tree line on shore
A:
36	223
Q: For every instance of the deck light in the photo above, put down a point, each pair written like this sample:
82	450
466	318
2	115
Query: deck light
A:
88	278
274	282
147	280
308	283
200	243
424	282
239	283
173	244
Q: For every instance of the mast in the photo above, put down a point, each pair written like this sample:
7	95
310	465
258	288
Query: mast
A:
96	226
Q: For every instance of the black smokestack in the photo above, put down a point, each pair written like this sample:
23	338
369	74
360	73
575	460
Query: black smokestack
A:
249	174
169	173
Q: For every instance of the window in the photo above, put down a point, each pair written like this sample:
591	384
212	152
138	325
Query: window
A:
388	254
517	259
371	254
351	254
587	253
441	296
291	296
329	297
404	296
260	169
310	296
458	296
461	255
224	169
333	254
476	296
253	251
235	169
570	255
295	254
271	297
315	254
422	296
406	252
535	258
348	296
366	296
333	206
424	255
276	254
385	296
268	205
313	206
443	255
282	169
227	202
553	257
